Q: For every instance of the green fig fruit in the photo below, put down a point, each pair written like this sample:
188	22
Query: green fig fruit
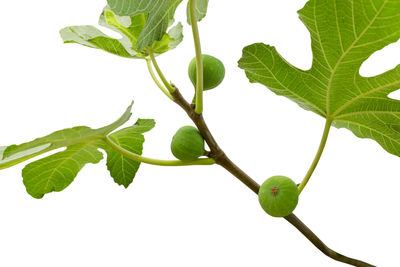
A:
213	72
187	144
278	196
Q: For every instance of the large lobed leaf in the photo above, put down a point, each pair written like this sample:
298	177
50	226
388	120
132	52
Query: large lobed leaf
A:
57	171
344	34
160	14
130	28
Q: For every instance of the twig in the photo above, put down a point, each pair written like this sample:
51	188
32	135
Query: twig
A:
222	159
320	245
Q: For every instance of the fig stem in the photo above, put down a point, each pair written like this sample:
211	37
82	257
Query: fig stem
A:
222	159
313	238
199	58
318	155
170	88
159	162
155	79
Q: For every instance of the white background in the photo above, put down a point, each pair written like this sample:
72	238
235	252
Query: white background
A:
188	216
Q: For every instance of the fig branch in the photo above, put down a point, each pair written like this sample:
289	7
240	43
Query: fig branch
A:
223	160
216	153
313	238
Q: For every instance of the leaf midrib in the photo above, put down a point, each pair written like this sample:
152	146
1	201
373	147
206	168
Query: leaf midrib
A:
365	112
122	159
160	21
71	156
371	129
60	145
363	95
345	54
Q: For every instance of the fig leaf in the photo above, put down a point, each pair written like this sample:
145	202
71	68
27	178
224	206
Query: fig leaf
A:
130	28
56	172
121	168
344	34
160	14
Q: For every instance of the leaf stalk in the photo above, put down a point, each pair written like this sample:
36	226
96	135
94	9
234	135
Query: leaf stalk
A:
158	162
199	58
160	74
156	81
318	155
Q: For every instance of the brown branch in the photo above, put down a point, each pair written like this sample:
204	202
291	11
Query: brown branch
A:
222	159
320	245
216	152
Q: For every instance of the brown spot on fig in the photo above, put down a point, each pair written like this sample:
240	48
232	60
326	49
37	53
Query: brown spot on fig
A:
274	190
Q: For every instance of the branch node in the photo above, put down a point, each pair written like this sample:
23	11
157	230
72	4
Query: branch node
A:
218	155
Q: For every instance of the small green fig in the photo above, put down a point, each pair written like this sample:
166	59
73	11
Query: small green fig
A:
187	144
213	72
278	196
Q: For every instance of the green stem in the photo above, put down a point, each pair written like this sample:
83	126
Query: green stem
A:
199	58
318	155
160	74
153	75
159	162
